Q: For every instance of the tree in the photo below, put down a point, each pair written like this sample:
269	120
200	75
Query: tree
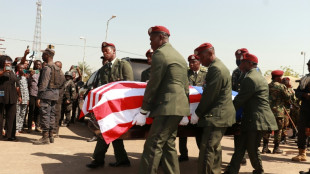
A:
288	71
87	69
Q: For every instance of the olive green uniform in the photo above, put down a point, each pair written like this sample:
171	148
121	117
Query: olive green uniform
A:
195	79
166	97
120	70
257	118
216	112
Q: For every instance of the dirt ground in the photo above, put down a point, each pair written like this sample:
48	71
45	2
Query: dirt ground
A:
70	153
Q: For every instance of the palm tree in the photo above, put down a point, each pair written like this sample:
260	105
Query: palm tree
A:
87	69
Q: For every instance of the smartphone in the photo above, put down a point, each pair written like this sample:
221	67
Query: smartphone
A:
26	71
74	66
27	46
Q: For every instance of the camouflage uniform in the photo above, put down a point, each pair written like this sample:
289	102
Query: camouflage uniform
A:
278	96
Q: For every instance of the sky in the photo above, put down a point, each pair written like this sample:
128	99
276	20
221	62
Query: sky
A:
276	31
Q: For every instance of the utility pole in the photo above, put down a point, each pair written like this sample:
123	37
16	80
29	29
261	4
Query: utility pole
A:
36	47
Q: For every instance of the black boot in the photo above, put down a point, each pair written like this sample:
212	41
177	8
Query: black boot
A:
283	140
265	147
276	149
51	137
43	140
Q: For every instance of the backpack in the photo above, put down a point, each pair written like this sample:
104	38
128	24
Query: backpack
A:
55	81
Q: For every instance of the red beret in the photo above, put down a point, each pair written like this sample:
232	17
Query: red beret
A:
105	44
202	47
158	29
241	51
249	57
193	57
277	73
150	51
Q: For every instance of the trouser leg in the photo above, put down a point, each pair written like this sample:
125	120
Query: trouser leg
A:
278	133
100	150
302	138
163	128
253	142
209	160
182	146
31	118
119	150
239	152
11	120
1	118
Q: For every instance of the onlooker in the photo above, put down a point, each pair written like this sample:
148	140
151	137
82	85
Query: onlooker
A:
9	95
68	98
59	101
75	102
23	104
33	115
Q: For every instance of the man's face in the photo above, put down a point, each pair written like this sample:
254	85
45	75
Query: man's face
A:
156	41
26	64
20	69
108	53
68	77
308	67
37	65
244	66
45	57
194	65
149	58
205	58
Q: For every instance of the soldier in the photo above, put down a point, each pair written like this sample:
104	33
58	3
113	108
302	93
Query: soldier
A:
165	98
288	105
278	95
215	110
69	97
49	85
196	77
113	70
303	93
257	115
59	101
237	76
145	75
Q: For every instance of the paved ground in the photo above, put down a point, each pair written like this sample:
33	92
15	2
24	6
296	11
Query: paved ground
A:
71	152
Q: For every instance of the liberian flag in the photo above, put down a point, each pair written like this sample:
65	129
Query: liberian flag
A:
115	104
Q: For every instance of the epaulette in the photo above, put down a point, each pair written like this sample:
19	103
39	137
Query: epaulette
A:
203	69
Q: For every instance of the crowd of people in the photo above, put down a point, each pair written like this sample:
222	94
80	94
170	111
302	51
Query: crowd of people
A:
25	88
49	97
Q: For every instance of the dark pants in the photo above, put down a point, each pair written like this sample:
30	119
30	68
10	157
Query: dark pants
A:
303	123
33	113
47	114
74	108
247	141
10	117
102	147
58	115
160	146
66	111
210	154
183	142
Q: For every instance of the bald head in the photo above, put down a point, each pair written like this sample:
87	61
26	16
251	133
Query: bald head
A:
59	64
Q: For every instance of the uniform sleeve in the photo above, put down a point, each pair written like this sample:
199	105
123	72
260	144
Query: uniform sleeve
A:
210	92
286	94
73	90
44	81
158	70
247	90
127	72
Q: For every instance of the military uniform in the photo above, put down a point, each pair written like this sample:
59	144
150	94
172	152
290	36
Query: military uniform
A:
257	117
145	75
194	79
236	78
278	95
166	98
216	112
69	95
59	104
119	70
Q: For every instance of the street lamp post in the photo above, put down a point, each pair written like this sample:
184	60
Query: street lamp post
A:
83	56
106	32
303	68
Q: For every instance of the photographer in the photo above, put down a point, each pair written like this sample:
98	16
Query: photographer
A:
76	80
9	95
